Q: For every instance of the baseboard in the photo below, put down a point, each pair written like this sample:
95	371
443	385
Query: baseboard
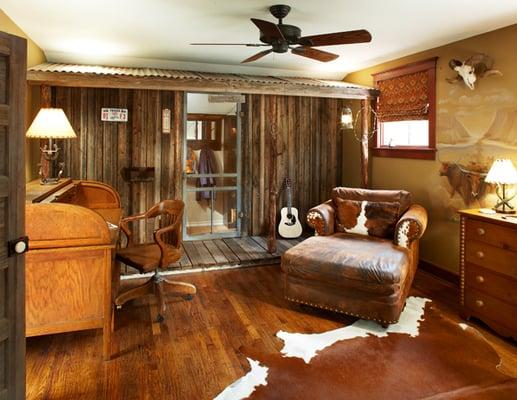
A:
439	272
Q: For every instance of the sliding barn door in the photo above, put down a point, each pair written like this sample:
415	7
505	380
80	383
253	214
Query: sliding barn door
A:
12	205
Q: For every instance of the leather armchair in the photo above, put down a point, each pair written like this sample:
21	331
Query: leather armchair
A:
357	274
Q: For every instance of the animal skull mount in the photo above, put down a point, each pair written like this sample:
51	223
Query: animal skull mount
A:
477	66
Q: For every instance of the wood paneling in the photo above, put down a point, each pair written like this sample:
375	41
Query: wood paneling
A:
103	149
310	142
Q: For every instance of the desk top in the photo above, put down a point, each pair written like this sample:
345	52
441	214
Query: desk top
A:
98	197
36	192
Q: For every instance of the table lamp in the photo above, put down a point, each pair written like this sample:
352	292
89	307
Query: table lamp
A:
50	123
503	173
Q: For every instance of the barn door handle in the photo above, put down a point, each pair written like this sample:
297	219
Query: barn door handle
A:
17	246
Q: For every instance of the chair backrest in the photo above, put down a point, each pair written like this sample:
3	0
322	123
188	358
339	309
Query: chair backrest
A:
170	213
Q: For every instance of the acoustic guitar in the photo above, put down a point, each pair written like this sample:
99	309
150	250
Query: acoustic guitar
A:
289	226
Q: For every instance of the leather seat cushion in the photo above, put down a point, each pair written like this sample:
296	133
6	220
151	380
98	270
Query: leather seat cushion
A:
144	257
344	257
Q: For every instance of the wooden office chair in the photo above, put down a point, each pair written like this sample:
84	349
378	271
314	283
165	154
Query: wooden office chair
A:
155	256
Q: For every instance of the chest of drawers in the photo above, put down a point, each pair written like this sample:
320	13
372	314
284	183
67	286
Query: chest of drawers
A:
488	270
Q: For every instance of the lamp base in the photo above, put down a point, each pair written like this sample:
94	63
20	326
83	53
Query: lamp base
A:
50	181
500	211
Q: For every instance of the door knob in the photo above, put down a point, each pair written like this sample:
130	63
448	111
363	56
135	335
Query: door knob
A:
480	279
480	231
18	246
480	303
480	254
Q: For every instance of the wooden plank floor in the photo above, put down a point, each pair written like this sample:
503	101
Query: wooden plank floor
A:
194	354
245	251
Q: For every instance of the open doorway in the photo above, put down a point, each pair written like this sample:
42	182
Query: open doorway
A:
212	167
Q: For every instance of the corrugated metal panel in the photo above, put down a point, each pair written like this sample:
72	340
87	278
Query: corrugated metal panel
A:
179	74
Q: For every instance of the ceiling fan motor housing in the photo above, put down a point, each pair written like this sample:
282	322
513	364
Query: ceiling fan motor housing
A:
291	34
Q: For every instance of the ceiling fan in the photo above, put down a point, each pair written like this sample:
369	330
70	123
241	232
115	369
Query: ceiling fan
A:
282	38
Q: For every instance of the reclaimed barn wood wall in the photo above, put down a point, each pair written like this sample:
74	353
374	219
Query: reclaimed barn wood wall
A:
311	144
103	149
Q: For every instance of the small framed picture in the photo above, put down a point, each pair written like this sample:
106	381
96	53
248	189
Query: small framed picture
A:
166	120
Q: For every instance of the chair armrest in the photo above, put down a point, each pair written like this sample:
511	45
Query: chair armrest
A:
125	227
411	226
322	218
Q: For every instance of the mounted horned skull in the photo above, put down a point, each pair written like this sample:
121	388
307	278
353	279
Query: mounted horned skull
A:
477	66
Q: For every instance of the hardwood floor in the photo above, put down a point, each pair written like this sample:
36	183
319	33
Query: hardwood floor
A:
194	353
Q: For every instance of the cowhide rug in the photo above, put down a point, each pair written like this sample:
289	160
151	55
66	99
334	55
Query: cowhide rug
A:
424	356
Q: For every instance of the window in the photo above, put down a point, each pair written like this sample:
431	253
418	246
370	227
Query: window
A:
405	133
406	111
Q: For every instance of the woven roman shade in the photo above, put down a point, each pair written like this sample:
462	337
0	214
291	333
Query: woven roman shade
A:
404	97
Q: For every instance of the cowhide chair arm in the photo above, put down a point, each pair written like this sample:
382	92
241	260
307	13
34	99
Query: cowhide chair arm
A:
411	226
321	218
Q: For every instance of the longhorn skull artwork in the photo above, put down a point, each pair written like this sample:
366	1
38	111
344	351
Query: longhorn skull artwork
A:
477	66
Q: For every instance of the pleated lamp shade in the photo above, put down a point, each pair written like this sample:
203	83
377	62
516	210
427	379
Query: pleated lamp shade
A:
503	172
51	123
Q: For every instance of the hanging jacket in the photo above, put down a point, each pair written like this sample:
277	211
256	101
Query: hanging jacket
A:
206	165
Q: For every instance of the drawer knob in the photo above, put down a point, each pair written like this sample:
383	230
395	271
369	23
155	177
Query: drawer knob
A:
480	231
480	254
480	303
480	279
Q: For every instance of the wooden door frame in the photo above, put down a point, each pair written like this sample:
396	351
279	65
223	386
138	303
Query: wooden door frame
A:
15	48
238	175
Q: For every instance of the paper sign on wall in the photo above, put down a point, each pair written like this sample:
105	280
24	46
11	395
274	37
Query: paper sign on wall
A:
114	114
166	120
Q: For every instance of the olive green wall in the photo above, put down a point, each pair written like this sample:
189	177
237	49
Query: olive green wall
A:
459	110
35	56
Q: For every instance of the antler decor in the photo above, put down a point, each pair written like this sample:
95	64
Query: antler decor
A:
477	66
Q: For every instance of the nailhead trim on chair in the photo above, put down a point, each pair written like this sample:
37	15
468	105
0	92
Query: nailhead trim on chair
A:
340	311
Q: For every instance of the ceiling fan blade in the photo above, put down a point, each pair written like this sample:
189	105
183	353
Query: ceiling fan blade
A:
230	44
257	56
269	29
315	54
331	39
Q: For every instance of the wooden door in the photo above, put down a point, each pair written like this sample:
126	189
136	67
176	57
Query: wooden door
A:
13	88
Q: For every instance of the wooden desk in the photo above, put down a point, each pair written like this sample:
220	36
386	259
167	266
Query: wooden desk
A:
69	262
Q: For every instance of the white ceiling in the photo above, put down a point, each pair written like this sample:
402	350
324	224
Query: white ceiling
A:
158	32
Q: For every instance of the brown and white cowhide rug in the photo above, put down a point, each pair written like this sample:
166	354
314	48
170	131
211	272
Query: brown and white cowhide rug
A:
424	356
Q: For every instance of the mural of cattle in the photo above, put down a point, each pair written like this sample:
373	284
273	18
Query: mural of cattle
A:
469	184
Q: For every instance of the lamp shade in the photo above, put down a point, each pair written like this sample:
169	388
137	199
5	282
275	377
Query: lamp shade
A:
51	123
502	171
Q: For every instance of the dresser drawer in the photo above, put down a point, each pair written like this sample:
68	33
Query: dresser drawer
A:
495	235
491	309
493	258
490	283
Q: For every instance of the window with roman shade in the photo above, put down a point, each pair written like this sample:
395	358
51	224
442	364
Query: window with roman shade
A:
406	111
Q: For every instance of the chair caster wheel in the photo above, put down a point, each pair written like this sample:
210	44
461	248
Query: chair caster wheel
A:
160	318
188	297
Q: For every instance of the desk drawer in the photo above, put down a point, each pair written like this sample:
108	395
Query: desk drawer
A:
495	235
485	306
490	283
493	258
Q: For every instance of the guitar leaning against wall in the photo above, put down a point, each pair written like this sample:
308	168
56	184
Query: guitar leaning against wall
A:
289	226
